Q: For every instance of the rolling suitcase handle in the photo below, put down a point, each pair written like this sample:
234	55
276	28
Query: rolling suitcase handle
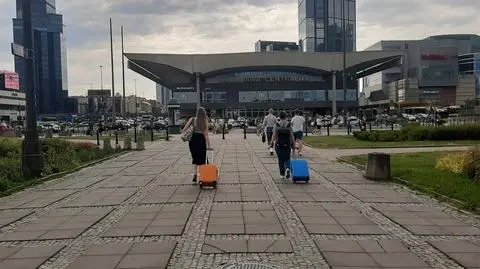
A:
207	157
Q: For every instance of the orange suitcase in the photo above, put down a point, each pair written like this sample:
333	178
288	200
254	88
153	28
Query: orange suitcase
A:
208	175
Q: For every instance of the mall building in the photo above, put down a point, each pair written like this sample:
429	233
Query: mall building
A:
438	70
248	84
12	100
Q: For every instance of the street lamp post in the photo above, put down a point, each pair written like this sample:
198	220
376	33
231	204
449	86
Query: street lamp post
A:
101	77
32	159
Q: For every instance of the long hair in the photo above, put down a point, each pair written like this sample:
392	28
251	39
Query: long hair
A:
202	120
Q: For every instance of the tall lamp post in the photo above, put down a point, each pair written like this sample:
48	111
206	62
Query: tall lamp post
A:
32	159
101	77
123	81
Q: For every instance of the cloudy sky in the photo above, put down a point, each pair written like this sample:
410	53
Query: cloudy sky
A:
212	26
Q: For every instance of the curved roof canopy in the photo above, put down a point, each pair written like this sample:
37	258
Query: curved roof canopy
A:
174	69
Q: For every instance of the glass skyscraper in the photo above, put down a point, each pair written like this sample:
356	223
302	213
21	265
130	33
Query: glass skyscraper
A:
51	83
322	23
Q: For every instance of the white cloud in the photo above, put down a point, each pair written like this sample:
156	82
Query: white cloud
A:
209	26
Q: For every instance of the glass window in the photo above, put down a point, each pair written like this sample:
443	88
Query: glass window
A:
320	45
320	23
331	8
320	4
302	31
351	10
302	9
214	97
186	97
310	27
338	9
351	95
320	33
310	44
340	94
338	45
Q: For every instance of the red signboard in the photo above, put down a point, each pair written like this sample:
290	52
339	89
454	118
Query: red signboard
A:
434	57
12	81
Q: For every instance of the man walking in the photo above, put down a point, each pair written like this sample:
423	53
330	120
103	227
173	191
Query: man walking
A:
268	123
298	125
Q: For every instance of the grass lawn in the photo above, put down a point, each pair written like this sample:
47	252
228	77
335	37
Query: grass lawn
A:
349	142
418	169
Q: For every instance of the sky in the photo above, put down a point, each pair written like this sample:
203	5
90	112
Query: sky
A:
217	26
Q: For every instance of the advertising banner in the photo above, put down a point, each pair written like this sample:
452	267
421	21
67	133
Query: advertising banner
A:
12	81
477	75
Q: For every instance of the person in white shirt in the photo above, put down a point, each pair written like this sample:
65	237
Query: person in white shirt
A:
268	123
298	125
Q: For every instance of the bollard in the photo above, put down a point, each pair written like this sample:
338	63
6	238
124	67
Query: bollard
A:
370	126
378	166
392	126
166	134
328	130
116	138
245	132
127	143
135	132
140	143
348	129
151	134
98	138
223	132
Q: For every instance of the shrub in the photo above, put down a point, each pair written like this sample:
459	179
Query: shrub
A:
77	146
59	155
473	169
10	147
457	163
416	132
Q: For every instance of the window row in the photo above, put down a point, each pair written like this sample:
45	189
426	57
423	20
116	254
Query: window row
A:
308	96
337	8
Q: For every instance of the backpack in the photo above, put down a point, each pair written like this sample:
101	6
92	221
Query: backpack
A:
284	134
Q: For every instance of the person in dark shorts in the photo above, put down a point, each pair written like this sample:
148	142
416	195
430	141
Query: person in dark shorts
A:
200	142
268	123
298	125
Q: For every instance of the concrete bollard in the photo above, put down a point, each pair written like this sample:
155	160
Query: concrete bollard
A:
49	133
140	143
107	146
127	143
378	167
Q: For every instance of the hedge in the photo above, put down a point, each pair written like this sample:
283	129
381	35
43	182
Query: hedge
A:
59	155
422	133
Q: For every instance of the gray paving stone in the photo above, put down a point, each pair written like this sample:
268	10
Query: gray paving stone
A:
104	262
144	261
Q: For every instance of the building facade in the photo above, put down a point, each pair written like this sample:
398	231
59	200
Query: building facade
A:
163	94
262	45
431	72
50	55
323	25
12	100
248	84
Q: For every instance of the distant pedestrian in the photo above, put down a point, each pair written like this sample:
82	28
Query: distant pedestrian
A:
268	123
298	125
284	144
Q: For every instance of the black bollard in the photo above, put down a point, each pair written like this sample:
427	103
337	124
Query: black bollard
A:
116	138
328	130
98	138
245	132
348	129
166	133
392	126
370	126
151	134
135	132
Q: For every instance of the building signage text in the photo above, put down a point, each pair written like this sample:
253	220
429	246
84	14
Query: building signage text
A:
263	77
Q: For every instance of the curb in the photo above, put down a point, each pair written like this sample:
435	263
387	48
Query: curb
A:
60	174
457	204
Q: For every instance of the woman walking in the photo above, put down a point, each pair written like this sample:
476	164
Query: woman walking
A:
200	142
284	144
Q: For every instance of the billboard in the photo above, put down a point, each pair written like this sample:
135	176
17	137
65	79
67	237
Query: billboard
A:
11	81
477	74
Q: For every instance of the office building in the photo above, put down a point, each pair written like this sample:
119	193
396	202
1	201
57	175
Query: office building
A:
50	55
431	72
323	25
262	45
469	68
12	100
163	94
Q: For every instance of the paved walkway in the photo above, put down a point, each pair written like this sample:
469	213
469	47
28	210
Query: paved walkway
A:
141	211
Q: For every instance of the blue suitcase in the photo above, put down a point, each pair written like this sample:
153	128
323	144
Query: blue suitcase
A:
299	170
